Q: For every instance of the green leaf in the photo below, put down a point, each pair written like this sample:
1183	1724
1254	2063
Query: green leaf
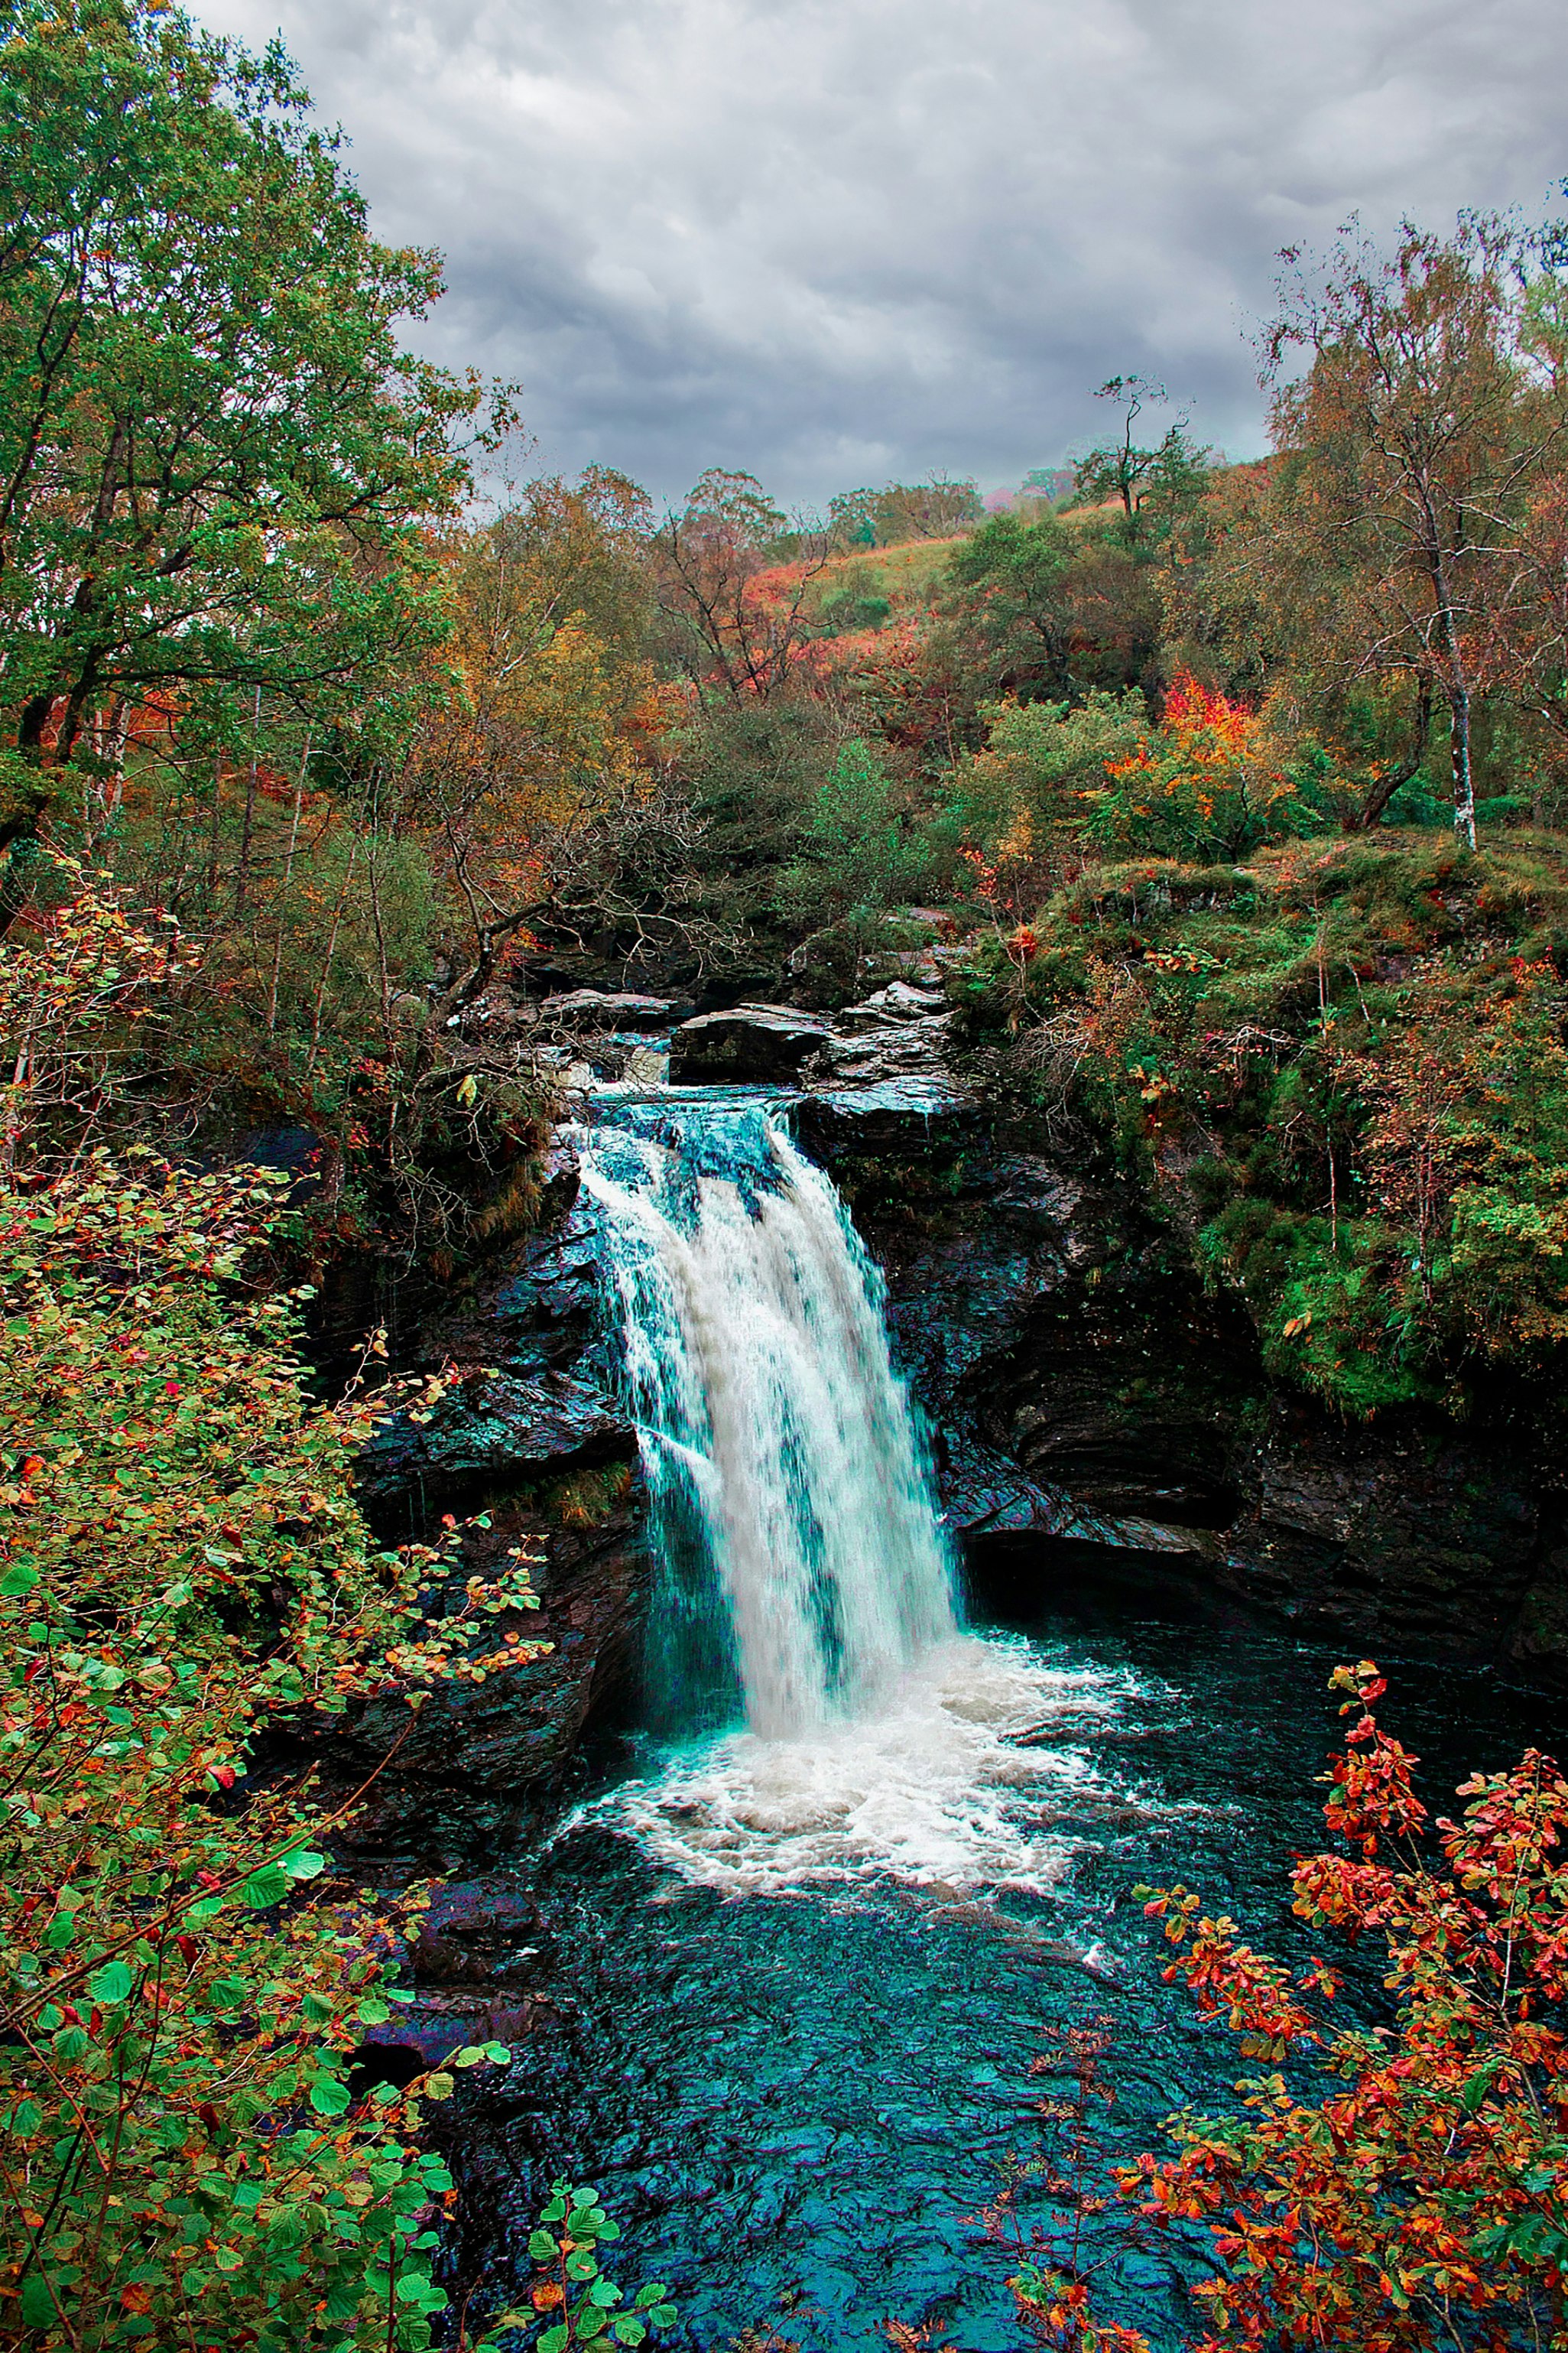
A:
542	2247
439	2086
111	1983
553	2340
17	1581
38	2304
329	2097
372	2012
605	2293
265	1887
1475	2090
299	1863
630	2330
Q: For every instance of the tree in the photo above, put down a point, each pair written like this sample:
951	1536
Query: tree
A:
1407	449
1010	577
938	509
535	740
853	832
215	462
732	581
1120	470
1040	764
1057	608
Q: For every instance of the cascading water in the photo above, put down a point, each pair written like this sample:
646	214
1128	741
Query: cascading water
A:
805	1580
789	1485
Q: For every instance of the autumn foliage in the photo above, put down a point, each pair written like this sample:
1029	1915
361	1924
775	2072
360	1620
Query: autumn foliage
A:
1204	788
1391	2184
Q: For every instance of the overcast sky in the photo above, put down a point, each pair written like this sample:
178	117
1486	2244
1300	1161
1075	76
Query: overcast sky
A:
840	241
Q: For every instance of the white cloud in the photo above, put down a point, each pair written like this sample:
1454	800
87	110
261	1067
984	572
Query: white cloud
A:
833	239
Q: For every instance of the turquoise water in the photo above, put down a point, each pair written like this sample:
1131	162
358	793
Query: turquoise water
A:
806	2096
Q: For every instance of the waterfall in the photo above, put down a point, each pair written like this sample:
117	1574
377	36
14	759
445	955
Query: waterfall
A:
793	1511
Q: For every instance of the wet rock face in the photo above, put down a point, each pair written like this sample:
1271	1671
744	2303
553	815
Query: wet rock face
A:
748	1043
491	1427
1081	1390
531	1441
1418	1535
474	1768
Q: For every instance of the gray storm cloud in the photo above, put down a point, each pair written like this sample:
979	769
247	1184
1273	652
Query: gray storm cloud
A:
836	241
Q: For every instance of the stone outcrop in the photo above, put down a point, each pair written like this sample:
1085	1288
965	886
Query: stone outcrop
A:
745	1044
1086	1396
532	1449
600	1009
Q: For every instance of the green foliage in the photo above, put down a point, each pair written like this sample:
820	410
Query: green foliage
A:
858	853
861	605
1340	1072
183	1562
1040	762
1053	607
572	2303
216	458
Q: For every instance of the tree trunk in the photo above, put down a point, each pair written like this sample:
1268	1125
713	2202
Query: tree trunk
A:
1464	776
1382	792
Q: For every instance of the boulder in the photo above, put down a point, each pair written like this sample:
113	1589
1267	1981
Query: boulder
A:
871	1110
598	1008
749	1043
899	1002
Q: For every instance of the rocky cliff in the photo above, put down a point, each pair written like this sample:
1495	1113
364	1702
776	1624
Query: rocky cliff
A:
1091	1409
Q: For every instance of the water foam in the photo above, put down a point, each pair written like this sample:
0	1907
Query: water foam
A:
930	1790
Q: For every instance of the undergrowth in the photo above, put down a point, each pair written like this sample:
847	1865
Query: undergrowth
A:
1338	1070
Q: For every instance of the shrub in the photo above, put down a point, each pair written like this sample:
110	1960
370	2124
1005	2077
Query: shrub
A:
1206	786
181	1561
1390	2187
